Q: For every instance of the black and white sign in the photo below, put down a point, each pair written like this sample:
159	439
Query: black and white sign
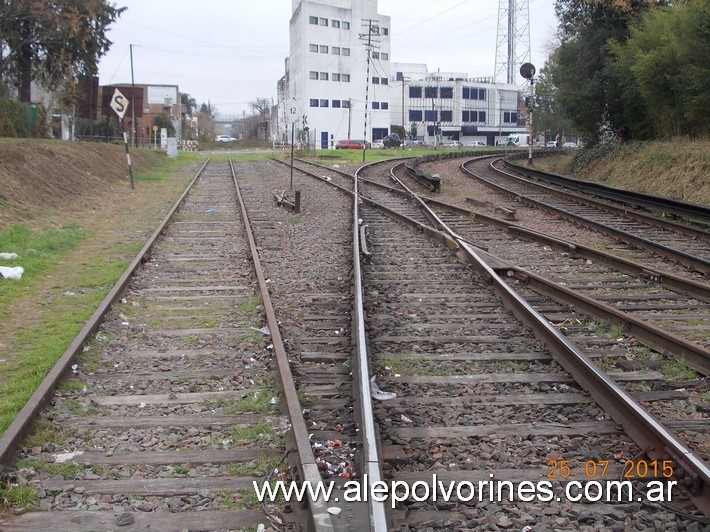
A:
119	103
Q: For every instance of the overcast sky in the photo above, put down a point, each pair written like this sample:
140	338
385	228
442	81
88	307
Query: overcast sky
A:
230	52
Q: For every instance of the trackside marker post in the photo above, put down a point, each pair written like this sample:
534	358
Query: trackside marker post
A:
119	103
128	158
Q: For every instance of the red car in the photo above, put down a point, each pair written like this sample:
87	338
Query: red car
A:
352	145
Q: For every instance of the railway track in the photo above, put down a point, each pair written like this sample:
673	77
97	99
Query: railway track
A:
427	349
685	244
170	410
484	394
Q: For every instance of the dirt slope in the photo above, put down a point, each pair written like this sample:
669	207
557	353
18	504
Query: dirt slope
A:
55	177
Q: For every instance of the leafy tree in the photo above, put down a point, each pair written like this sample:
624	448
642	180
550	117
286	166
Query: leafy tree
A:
548	117
53	42
664	67
588	91
164	121
189	102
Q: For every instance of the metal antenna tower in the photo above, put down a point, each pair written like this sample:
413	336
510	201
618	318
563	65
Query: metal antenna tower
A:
513	40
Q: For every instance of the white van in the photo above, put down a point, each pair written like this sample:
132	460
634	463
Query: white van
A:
519	140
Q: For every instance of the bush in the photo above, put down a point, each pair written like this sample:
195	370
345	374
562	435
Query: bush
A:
13	121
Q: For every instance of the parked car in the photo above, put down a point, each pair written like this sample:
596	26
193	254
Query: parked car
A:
569	145
378	144
352	145
477	144
453	143
551	144
225	138
392	141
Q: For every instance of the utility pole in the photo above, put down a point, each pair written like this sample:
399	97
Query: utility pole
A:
369	47
350	115
133	101
404	131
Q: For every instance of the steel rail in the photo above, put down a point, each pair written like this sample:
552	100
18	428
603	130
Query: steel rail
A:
679	208
361	370
650	435
14	434
647	433
664	278
698	263
320	518
697	356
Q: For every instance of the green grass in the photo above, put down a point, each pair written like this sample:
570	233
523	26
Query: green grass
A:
38	252
18	497
262	467
250	306
44	431
604	329
678	370
257	432
41	344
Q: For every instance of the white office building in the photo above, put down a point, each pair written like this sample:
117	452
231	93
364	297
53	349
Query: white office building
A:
330	91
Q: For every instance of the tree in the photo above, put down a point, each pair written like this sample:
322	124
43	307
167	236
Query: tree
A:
189	102
548	117
164	121
664	67
262	108
53	42
588	91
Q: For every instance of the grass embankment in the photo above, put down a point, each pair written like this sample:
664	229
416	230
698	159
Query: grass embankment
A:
676	169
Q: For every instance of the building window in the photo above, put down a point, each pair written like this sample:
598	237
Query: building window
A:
430	116
346	25
314	75
465	116
346	104
335	50
375	105
375	55
384	81
323	21
473	93
335	24
510	117
431	92
447	92
384	31
346	51
324	76
313	47
335	77
384	105
335	103
313	20
415	92
375	81
385	56
415	116
323	49
345	78
314	102
323	103
447	116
